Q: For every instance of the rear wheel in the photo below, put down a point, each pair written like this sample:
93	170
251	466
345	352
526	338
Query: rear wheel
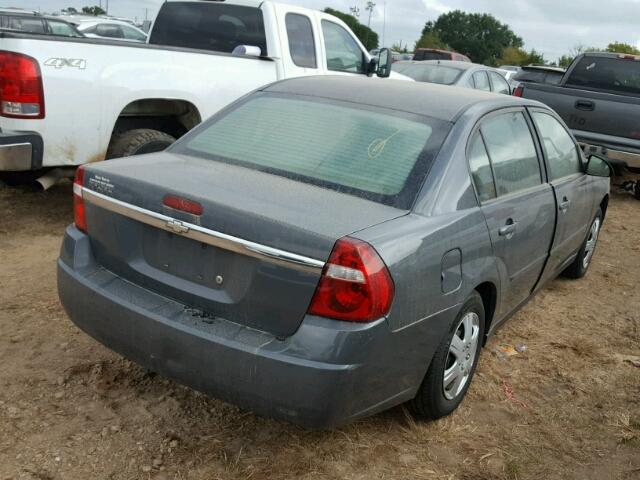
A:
580	265
138	142
452	367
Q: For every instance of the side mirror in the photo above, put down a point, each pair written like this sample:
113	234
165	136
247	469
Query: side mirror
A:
385	59
598	167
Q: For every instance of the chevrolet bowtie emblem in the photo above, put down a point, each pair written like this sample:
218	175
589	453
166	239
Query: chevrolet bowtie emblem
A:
177	227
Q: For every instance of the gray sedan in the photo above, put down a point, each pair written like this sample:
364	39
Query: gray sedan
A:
329	247
461	74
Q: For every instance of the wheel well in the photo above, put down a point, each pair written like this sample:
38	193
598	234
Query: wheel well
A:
603	205
489	295
174	117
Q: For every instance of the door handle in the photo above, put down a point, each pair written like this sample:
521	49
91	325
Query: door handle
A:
564	205
509	229
587	105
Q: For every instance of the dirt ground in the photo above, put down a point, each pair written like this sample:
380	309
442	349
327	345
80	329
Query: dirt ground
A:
568	407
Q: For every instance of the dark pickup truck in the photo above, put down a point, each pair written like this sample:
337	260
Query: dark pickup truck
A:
599	99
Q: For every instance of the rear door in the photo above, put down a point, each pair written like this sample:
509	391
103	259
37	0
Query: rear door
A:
517	202
300	50
571	187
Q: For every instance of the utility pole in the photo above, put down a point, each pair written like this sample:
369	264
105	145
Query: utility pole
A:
384	23
355	11
370	6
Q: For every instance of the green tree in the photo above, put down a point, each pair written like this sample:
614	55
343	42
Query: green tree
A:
95	10
618	47
431	40
398	47
480	36
368	37
519	56
565	60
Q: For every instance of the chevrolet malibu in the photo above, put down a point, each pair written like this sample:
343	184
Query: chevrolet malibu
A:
326	247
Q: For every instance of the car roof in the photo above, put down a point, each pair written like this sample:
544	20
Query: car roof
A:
438	101
19	11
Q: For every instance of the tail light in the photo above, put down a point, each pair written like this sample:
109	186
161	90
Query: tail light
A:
21	91
79	217
518	91
355	285
182	204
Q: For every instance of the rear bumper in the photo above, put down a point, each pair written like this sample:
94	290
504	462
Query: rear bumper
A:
616	149
20	151
326	374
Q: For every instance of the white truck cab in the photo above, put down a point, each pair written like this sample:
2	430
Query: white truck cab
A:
66	102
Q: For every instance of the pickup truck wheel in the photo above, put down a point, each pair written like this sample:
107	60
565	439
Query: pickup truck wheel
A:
580	265
137	142
453	365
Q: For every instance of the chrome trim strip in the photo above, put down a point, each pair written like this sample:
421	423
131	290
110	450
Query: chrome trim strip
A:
204	235
15	156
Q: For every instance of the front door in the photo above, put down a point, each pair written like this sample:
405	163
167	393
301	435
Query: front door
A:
571	187
517	203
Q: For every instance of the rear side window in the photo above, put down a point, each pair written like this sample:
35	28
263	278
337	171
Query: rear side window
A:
481	81
512	152
559	148
343	53
131	33
301	43
209	26
607	73
109	31
27	24
431	55
481	169
500	85
62	29
373	153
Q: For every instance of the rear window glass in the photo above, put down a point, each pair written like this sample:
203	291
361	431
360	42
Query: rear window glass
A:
606	73
377	154
209	26
426	55
433	74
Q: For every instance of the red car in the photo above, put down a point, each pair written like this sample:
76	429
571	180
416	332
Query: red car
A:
435	54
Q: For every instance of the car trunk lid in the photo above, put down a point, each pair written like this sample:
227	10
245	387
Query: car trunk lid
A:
253	256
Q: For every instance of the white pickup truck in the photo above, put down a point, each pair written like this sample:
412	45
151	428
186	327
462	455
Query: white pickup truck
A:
65	102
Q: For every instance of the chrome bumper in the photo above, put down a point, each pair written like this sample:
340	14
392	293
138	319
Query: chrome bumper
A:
20	151
16	156
631	159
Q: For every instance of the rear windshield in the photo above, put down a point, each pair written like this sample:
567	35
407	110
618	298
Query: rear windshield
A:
606	73
538	76
433	74
377	154
208	26
427	55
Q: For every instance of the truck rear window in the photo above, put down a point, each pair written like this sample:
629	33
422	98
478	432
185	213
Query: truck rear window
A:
432	55
208	26
607	73
377	154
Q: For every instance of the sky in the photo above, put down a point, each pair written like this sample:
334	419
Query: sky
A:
553	27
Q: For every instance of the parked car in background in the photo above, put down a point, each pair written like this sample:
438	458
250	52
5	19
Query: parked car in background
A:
538	74
97	27
435	54
599	98
510	68
32	22
326	286
399	57
139	98
507	74
460	74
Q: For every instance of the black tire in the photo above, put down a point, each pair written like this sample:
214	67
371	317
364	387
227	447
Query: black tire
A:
138	142
431	401
578	268
636	190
